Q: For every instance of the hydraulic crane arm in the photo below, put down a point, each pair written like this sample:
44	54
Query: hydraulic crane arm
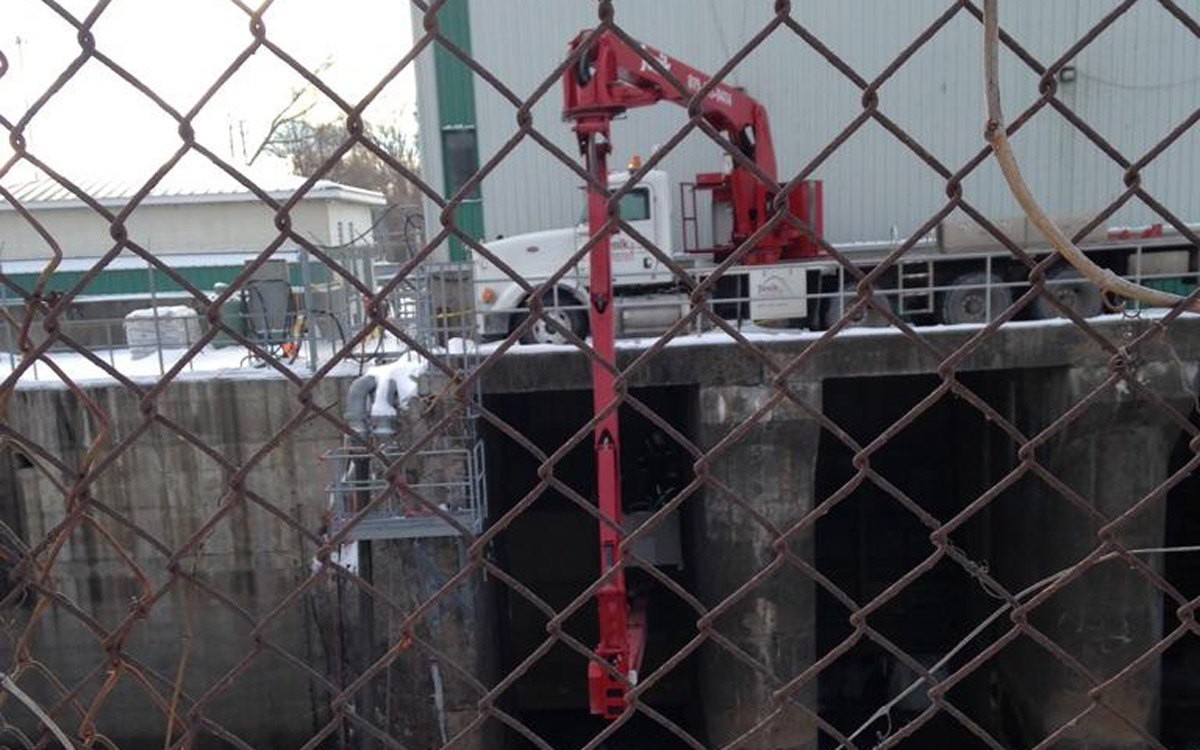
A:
612	77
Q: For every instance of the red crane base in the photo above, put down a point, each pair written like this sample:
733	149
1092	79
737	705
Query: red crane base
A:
606	694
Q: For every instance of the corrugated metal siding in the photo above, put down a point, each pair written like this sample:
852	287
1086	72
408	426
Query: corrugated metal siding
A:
171	229
428	119
1135	83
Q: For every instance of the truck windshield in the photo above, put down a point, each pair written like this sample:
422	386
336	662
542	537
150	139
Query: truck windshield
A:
635	206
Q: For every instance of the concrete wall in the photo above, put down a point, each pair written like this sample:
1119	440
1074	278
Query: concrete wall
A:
166	228
168	489
754	681
1112	457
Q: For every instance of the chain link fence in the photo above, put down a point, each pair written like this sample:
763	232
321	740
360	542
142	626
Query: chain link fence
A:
974	547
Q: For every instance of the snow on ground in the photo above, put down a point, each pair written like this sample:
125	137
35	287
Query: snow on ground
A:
235	362
82	371
211	363
458	345
170	311
228	363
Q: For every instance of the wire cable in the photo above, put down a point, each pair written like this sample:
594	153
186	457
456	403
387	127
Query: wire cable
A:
885	709
36	710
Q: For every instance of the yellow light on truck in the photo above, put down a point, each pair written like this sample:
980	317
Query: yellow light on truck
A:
487	296
635	163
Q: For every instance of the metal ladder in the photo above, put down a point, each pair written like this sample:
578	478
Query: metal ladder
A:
915	287
689	217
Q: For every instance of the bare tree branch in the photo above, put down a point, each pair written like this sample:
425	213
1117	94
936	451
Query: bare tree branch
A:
285	115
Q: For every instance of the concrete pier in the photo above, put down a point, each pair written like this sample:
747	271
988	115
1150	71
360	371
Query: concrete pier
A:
1112	456
771	468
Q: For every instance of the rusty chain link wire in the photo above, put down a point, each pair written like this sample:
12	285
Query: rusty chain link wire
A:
371	695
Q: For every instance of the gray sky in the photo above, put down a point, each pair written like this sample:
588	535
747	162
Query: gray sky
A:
99	127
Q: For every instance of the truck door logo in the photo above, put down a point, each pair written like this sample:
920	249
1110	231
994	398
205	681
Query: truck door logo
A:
773	286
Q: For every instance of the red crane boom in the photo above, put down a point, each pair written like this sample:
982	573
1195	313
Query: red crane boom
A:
610	78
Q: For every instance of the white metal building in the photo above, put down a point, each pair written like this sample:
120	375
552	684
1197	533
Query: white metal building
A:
216	214
205	224
1133	85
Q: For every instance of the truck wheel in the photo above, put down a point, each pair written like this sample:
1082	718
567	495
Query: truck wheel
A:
542	332
832	309
1072	290
971	305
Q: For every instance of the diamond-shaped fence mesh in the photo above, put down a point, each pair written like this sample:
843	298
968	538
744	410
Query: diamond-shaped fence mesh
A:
937	492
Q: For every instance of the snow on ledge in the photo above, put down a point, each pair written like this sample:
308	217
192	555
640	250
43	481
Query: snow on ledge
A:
760	334
404	373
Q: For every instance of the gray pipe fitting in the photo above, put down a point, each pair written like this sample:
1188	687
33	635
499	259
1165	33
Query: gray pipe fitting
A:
358	405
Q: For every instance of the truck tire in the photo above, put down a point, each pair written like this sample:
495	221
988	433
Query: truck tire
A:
1073	290
971	305
542	332
831	309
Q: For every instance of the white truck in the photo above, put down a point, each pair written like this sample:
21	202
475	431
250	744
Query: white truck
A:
958	274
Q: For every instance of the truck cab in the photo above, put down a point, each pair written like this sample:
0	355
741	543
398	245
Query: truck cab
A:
500	303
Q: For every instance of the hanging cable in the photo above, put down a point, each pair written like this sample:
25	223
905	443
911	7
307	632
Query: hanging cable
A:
996	136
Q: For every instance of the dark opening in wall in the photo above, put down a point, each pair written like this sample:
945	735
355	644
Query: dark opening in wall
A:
552	549
880	532
1181	662
13	464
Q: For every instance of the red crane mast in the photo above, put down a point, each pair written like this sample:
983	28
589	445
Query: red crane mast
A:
610	78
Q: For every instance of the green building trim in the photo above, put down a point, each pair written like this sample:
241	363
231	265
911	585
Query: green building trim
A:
137	281
456	121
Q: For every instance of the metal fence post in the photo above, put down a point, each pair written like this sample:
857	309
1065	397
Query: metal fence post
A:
310	318
158	345
987	289
9	341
